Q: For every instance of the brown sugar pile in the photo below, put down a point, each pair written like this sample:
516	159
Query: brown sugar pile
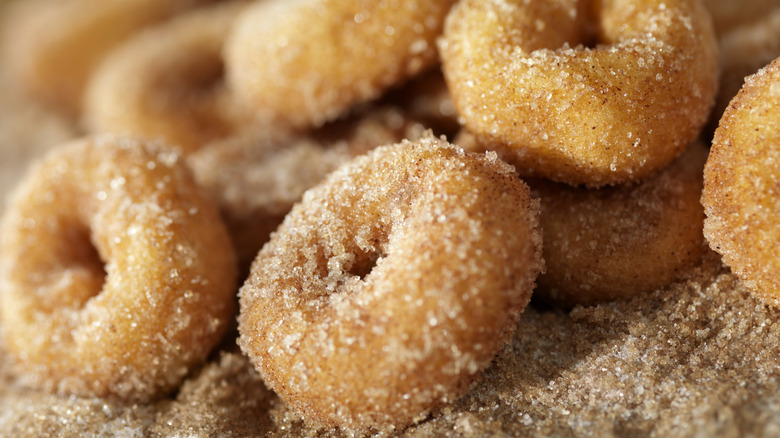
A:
699	358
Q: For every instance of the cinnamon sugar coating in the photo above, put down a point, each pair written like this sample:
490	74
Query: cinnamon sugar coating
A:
392	285
580	91
305	62
741	193
116	274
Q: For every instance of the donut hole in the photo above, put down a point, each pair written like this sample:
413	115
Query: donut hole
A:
591	36
208	73
84	275
590	32
364	264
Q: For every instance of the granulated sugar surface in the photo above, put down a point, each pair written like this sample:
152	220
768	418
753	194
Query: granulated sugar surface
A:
699	358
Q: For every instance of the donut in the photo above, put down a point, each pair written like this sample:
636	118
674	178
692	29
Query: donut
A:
167	82
52	46
741	194
256	177
729	14
618	242
393	283
743	51
328	54
116	272
533	81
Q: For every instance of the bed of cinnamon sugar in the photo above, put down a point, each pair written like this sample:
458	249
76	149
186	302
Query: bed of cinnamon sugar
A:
698	358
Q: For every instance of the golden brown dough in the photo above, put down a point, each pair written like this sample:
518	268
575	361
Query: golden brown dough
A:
741	192
526	84
306	62
619	242
116	273
392	285
167	82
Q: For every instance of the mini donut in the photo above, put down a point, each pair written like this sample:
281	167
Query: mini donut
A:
328	54
527	87
116	273
257	177
52	46
388	289
618	242
741	193
167	82
729	14
743	51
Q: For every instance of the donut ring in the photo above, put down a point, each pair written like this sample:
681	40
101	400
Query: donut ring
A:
256	178
741	195
618	242
328	54
456	246
167	82
51	47
595	116
116	274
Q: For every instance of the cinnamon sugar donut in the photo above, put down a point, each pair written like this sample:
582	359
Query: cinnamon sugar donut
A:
388	289
305	62
52	46
167	82
116	273
741	192
619	242
526	86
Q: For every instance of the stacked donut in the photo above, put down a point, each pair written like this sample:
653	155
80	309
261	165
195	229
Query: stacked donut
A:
388	265
604	109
